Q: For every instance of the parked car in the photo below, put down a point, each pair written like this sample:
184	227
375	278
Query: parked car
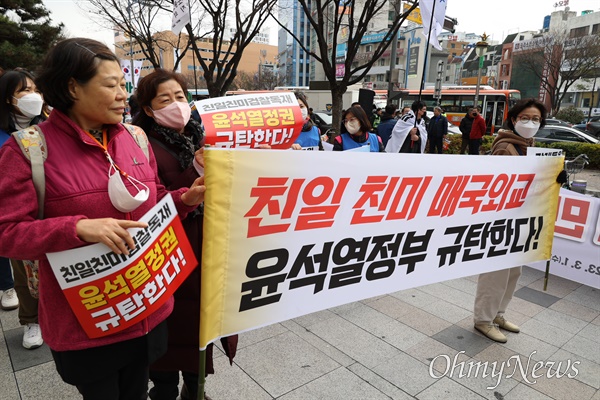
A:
593	126
323	121
554	121
581	127
557	133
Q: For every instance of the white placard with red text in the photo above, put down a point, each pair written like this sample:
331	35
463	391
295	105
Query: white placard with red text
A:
251	120
110	292
576	245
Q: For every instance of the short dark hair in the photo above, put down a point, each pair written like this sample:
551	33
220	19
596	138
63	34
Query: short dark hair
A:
76	58
146	92
10	83
417	105
361	116
515	110
390	109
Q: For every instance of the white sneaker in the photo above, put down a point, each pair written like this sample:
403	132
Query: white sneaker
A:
32	339
9	300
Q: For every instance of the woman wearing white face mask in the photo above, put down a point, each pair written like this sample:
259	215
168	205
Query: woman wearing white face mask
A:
84	139
310	135
20	107
358	126
20	101
495	289
177	140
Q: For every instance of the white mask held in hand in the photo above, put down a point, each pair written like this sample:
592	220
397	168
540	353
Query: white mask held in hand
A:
527	130
120	197
304	114
175	116
30	105
353	127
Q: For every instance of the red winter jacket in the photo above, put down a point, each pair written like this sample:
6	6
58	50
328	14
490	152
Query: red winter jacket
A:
478	128
76	187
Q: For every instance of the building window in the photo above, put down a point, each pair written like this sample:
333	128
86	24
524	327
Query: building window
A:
453	45
381	62
579	32
368	48
380	77
595	29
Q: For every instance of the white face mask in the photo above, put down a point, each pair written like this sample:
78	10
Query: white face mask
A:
30	105
353	127
304	114
527	130
119	196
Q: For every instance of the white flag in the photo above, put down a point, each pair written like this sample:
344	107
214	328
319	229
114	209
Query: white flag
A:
181	15
438	19
126	68
137	70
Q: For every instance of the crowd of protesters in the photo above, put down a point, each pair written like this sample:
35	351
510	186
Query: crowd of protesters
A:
77	101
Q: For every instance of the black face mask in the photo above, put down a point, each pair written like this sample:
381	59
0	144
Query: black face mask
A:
474	115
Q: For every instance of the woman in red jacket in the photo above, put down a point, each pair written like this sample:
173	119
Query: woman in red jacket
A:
176	140
84	139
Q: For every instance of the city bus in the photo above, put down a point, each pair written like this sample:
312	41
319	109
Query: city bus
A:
456	101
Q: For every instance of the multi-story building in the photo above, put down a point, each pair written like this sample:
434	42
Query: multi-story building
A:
294	63
256	57
582	93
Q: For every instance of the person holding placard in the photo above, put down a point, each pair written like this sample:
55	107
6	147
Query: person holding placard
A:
495	289
177	139
99	181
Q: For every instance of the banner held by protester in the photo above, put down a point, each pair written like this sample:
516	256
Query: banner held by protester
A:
281	241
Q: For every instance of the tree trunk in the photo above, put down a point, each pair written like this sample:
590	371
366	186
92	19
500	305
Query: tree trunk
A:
337	93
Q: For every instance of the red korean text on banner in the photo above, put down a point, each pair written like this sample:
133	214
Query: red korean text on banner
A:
269	118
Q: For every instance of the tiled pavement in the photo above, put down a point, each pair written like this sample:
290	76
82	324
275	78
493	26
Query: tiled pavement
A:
387	347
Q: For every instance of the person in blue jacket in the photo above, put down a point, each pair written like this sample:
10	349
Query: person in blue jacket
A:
358	126
310	135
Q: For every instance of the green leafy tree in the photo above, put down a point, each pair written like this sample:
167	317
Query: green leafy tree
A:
26	33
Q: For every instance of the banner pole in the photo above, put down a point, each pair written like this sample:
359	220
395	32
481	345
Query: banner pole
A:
427	49
546	275
201	374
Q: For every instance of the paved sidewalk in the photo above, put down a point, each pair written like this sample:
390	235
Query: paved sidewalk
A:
382	348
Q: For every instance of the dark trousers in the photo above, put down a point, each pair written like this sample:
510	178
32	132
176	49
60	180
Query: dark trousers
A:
464	145
28	305
128	383
436	145
166	385
474	146
6	278
117	371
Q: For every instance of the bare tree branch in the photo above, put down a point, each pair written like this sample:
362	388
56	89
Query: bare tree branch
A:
328	19
559	61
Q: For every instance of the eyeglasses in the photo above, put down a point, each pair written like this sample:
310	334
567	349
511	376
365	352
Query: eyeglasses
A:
525	119
350	120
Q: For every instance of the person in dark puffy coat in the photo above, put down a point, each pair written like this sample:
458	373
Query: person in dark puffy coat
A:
384	130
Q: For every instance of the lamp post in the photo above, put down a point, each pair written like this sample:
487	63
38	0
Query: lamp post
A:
480	48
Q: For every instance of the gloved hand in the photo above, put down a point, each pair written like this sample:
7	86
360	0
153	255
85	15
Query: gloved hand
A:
562	177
